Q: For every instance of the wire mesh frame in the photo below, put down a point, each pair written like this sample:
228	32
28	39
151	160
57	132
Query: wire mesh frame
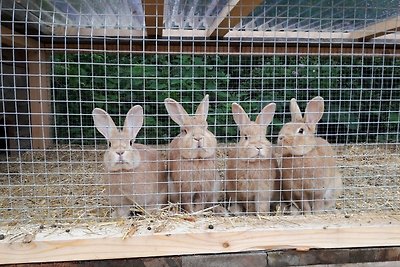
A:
62	182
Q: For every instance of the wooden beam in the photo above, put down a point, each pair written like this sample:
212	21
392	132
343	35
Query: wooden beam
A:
71	31
185	33
391	36
377	29
154	15
39	98
231	15
287	35
12	39
230	48
251	35
36	249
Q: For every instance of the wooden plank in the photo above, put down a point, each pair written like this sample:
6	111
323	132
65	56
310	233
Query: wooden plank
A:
391	36
154	14
208	242
231	15
376	30
72	31
354	257
12	39
230	48
39	98
288	35
185	33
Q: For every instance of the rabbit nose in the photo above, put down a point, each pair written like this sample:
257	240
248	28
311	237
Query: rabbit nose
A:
120	153
197	138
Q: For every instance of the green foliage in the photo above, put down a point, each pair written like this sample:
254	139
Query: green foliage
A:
363	99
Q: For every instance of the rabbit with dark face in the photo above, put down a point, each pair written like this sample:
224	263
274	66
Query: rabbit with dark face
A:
136	174
252	171
310	177
195	181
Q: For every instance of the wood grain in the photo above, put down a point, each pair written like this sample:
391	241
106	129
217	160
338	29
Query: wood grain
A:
154	12
230	16
377	29
228	48
105	247
39	98
10	38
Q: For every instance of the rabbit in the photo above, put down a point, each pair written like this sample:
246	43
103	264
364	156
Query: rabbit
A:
252	171
136	175
311	180
195	181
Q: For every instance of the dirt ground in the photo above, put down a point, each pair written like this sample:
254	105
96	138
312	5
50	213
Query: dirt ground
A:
63	185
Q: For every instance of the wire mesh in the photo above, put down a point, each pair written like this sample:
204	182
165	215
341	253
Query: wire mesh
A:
62	59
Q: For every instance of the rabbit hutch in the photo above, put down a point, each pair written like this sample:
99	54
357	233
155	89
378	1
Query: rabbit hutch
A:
195	87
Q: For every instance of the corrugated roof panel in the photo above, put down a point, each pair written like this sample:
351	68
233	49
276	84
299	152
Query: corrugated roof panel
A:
191	15
300	19
312	15
118	14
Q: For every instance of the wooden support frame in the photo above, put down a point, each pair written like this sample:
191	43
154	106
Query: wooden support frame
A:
39	98
38	83
87	32
231	16
296	35
376	30
301	234
231	48
9	38
154	14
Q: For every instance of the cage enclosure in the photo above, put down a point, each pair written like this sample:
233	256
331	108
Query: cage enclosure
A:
160	128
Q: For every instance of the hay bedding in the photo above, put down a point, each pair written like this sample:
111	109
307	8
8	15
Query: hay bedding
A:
63	187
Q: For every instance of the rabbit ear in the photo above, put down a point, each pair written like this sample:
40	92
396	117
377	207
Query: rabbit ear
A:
314	110
266	115
103	122
295	110
133	121
239	115
202	109
175	111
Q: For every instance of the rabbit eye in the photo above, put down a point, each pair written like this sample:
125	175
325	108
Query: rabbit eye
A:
246	137
184	131
300	130
131	143
109	144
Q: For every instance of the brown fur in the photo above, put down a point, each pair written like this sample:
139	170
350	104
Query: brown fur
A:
144	185
252	170
194	178
310	178
136	174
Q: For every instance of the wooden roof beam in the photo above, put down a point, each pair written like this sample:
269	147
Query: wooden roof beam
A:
303	35
377	29
13	39
231	15
154	14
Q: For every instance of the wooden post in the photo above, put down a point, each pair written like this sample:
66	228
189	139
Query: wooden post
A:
39	98
154	11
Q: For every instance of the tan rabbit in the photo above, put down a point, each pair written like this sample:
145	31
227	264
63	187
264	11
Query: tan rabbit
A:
310	177
252	171
135	172
195	181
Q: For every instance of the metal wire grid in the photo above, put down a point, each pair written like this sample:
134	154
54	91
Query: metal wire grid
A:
62	182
